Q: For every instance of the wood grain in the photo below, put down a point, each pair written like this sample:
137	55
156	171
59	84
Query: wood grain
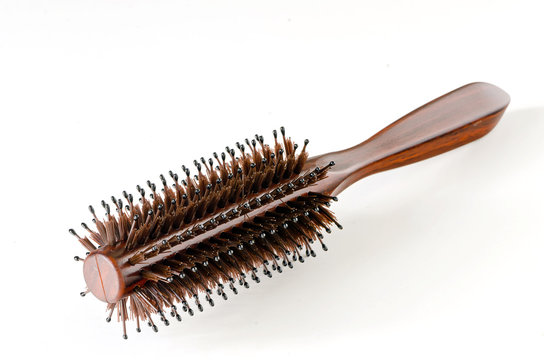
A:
452	120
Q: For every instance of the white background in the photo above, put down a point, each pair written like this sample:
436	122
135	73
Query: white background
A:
438	260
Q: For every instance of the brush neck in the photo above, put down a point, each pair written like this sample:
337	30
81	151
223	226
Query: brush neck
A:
452	120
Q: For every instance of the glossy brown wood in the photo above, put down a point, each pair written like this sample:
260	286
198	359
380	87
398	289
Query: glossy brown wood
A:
452	120
103	277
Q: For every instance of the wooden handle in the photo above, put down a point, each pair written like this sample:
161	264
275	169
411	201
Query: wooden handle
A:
443	124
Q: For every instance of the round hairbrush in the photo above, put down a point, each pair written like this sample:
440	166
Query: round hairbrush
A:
251	210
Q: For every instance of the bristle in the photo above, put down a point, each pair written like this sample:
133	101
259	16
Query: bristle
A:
153	231
83	241
111	307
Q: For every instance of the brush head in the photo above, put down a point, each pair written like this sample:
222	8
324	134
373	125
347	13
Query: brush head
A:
240	212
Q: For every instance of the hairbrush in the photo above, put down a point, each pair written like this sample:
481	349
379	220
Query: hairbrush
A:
255	210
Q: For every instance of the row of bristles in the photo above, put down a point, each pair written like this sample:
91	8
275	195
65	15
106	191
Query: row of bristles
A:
221	289
223	217
289	146
213	222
